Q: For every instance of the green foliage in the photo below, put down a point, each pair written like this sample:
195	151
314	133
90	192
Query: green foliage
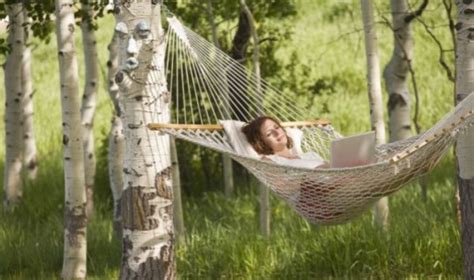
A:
321	64
42	21
273	20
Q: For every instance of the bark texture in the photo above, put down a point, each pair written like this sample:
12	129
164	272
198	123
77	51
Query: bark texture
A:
147	197
396	72
89	101
75	240
116	137
12	185
115	160
375	96
465	142
30	163
178	206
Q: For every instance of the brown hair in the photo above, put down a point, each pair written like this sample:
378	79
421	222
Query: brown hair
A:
254	136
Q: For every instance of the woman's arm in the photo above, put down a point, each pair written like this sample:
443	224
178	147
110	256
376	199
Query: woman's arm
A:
324	165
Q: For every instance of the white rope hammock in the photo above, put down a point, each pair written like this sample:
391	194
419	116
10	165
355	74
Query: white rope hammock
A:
206	86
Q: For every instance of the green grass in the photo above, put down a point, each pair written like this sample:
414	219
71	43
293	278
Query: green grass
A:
423	240
223	239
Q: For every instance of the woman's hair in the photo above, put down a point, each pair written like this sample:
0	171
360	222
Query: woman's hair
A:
255	138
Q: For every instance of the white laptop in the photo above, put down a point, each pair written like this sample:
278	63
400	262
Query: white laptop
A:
353	150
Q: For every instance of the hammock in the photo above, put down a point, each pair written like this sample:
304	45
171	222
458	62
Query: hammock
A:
206	86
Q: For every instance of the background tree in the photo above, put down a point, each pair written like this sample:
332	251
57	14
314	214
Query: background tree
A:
465	143
15	95
178	215
375	96
397	73
30	165
75	219
88	107
116	138
36	19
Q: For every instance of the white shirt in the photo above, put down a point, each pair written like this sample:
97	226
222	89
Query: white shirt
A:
306	160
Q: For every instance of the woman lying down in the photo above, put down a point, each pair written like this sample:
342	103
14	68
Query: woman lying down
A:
269	138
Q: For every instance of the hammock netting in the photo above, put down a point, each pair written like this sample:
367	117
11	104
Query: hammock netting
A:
206	86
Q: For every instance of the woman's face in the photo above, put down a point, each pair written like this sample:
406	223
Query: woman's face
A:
273	136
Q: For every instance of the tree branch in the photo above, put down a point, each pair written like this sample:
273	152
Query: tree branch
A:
413	79
448	6
411	16
442	60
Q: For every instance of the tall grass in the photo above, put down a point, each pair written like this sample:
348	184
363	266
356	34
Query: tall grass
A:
423	241
223	239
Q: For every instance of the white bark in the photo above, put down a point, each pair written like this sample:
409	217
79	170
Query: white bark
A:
397	72
116	137
147	198
89	103
112	66
375	96
74	262
115	160
178	206
13	108
396	78
465	142
30	164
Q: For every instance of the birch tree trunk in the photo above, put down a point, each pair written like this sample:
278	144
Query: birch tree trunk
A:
75	219
147	197
178	206
226	160
397	71
375	97
89	101
465	142
396	76
116	138
30	164
115	160
12	184
264	194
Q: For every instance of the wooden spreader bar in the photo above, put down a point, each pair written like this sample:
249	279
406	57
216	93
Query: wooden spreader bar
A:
158	126
433	137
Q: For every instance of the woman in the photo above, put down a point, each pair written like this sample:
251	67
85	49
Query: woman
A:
269	138
313	198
